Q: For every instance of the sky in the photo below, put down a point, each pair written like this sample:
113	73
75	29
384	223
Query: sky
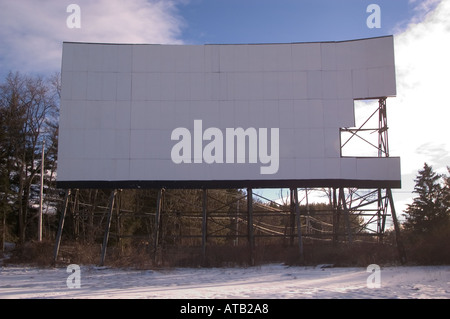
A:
32	32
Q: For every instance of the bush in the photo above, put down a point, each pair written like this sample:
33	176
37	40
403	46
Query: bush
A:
430	248
36	253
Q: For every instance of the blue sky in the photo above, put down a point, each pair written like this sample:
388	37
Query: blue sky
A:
269	21
37	28
32	32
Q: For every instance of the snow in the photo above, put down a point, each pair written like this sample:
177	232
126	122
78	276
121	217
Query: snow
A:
274	281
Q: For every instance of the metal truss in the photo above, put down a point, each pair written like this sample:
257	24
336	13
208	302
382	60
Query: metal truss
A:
377	204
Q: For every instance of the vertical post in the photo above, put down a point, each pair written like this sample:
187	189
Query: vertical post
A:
204	225
383	202
379	209
308	219
61	226
336	213
119	229
347	215
76	217
236	242
3	230
41	195
299	225
291	217
401	249
108	226
383	217
251	240
383	146
91	216
157	222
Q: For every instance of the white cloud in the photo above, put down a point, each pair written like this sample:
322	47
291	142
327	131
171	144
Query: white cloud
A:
32	32
422	8
418	116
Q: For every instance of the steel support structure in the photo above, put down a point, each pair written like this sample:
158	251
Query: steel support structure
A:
108	226
204	223
157	231
67	198
355	202
299	225
250	233
352	214
61	225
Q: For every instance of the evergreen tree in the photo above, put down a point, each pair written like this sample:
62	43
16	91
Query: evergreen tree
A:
446	189
430	208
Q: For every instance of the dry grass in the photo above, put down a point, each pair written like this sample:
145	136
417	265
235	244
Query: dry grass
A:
141	256
35	253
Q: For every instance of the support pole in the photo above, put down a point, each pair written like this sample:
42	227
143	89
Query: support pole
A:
347	215
108	226
61	226
400	247
383	202
383	146
291	217
157	223
308	219
236	242
76	216
118	223
299	225
204	225
41	195
336	215
251	239
91	216
379	209
3	230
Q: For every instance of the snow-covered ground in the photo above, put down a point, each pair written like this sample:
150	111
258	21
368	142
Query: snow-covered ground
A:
273	281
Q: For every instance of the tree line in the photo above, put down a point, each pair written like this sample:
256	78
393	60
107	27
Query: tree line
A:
29	112
427	226
29	108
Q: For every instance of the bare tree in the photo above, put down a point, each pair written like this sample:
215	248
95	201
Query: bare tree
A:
29	109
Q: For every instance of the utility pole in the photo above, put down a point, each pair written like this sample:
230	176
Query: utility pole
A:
41	196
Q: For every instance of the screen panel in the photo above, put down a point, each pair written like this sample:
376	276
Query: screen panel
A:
256	115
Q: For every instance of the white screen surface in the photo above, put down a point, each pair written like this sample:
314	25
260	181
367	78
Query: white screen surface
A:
224	115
